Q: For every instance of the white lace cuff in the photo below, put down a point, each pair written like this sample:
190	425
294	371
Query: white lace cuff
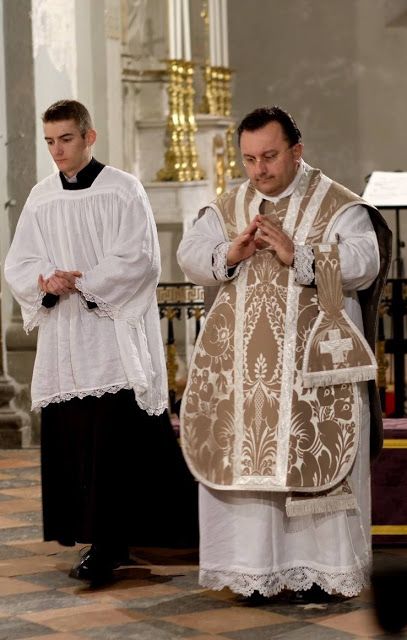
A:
32	317
103	308
220	269
304	264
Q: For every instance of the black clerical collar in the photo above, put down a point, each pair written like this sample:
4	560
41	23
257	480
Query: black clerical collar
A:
84	177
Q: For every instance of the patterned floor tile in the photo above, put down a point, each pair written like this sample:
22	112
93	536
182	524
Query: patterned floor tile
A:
23	472
11	522
88	608
205	636
47	548
14	463
12	629
25	602
191	603
10	586
4	475
24	492
20	533
49	579
14	483
5	498
315	610
9	505
56	636
81	620
33	517
142	596
290	631
8	551
362	623
143	630
227	619
26	565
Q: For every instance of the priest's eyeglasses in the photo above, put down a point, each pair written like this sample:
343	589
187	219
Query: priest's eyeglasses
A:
268	158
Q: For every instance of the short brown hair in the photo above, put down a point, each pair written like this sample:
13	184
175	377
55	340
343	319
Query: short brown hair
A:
69	110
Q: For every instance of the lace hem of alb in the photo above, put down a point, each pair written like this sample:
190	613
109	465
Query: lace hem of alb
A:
303	264
348	583
64	397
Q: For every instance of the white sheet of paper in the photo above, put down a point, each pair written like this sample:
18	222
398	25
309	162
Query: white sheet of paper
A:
387	189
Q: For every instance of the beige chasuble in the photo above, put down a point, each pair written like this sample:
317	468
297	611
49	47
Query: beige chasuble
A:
271	401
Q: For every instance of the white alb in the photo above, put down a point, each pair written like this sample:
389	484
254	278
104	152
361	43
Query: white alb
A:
108	233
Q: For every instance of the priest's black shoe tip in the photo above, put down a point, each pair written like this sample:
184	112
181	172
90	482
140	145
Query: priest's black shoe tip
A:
94	567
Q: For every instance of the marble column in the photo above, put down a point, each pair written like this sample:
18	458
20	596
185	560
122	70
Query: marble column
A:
17	175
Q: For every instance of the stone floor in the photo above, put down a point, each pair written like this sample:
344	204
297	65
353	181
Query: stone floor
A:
157	598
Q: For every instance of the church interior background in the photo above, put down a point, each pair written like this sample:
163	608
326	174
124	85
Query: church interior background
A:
166	82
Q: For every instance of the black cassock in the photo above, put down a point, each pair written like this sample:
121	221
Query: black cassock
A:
113	474
110	472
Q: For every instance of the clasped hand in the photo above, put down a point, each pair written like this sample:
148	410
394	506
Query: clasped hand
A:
60	282
261	233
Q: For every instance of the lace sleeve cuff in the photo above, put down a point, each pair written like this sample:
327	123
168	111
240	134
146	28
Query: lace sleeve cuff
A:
97	305
32	317
304	264
220	269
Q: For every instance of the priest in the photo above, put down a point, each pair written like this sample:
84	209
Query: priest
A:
84	265
280	405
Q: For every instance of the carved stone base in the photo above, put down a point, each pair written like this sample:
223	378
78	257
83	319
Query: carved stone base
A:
15	427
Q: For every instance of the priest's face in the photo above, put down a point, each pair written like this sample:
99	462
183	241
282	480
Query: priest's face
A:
70	149
270	162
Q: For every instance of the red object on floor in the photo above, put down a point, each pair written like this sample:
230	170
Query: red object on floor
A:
390	402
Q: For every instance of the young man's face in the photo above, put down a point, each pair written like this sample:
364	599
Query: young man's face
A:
70	150
270	163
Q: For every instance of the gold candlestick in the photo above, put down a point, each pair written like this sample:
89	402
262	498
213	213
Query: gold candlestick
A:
208	104
196	173
227	75
232	168
219	156
181	157
174	160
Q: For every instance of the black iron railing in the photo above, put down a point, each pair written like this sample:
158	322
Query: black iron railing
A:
178	302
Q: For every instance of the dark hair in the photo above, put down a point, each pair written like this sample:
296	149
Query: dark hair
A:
258	119
69	110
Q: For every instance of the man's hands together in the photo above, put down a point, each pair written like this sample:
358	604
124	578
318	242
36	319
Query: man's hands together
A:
261	233
60	282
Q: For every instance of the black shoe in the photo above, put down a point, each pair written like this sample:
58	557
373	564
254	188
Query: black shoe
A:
94	566
314	595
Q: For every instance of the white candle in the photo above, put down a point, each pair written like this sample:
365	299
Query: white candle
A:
212	32
187	30
171	29
178	29
224	27
218	34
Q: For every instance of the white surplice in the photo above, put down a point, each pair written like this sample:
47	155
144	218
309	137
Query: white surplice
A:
107	232
248	542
